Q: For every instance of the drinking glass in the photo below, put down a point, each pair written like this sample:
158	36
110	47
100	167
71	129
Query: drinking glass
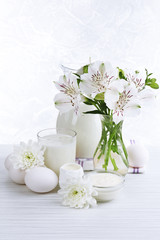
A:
60	147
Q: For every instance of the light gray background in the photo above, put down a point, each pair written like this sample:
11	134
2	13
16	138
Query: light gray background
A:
36	36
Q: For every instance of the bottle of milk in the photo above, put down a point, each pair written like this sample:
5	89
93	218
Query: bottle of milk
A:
88	128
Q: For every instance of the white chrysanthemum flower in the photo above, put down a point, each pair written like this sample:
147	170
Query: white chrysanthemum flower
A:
99	76
28	155
69	98
78	193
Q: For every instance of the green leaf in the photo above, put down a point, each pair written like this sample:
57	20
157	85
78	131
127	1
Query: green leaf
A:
78	81
121	74
150	74
151	82
93	112
85	69
146	72
88	101
99	96
154	85
77	74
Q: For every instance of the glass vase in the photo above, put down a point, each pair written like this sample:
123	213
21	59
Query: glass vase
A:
111	153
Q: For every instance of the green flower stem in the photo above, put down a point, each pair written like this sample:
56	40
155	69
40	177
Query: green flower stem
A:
99	144
124	160
111	138
113	163
108	150
125	151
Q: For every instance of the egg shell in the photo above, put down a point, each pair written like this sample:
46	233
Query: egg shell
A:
41	179
8	162
17	175
137	155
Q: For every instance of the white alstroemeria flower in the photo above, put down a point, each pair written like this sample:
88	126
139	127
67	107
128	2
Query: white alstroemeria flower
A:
28	155
69	98
78	193
98	78
136	77
121	97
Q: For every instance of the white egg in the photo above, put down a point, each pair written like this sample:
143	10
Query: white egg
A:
8	162
17	175
41	179
137	155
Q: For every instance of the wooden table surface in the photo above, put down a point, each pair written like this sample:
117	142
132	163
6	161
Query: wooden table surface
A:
134	215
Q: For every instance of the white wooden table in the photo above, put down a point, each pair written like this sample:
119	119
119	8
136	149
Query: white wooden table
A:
134	215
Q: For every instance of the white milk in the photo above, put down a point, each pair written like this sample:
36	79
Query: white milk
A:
60	149
88	128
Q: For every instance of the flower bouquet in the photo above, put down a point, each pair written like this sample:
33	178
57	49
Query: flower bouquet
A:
115	94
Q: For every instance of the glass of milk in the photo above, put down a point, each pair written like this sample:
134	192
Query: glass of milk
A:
60	147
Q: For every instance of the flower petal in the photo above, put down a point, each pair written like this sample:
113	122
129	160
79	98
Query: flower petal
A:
119	85
70	94
78	193
118	116
132	110
136	77
147	97
97	79
28	155
62	102
111	97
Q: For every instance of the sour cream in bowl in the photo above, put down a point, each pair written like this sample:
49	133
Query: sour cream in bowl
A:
108	184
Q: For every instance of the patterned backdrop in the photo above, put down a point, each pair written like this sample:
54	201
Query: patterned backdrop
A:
36	36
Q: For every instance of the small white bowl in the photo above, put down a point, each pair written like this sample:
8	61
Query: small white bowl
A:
112	190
